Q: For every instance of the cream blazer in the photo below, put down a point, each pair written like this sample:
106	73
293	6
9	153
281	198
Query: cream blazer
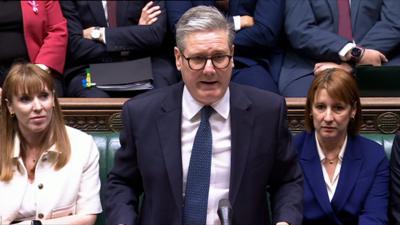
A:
74	189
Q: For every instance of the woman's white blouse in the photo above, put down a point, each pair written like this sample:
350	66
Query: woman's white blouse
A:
74	189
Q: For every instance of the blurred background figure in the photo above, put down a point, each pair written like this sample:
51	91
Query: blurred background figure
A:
258	25
346	176
36	32
48	172
337	34
116	31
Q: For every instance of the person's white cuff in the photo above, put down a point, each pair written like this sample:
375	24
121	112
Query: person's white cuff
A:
345	49
103	34
236	22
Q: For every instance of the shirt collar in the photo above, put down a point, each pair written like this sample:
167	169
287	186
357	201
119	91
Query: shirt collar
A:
17	148
190	106
321	153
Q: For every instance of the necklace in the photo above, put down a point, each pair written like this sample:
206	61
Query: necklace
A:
333	160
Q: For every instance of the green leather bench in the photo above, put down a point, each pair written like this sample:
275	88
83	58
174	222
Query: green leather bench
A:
108	143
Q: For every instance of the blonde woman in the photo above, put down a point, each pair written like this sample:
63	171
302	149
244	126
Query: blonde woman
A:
48	172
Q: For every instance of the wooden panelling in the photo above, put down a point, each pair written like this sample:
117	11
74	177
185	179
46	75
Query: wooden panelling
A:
380	115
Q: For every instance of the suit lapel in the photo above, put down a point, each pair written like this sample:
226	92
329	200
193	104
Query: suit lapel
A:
169	131
241	127
313	173
233	4
334	11
352	161
97	10
355	6
122	8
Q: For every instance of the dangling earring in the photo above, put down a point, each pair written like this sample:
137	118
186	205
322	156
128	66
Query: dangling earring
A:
12	115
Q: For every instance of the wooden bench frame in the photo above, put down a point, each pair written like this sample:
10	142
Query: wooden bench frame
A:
380	115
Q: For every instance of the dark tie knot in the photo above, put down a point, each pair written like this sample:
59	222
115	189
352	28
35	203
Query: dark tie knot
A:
206	112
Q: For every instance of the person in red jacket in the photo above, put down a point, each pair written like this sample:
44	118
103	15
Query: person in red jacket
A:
36	32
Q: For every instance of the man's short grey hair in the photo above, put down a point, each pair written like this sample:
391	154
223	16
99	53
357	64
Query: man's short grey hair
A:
200	19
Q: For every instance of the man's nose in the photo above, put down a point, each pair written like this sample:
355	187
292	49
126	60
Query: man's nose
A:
209	67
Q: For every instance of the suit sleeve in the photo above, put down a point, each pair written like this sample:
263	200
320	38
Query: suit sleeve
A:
287	186
124	185
175	10
80	49
52	52
138	38
395	181
306	36
376	203
268	19
384	35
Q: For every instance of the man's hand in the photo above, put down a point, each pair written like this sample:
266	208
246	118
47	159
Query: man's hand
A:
87	32
319	67
246	21
372	57
150	13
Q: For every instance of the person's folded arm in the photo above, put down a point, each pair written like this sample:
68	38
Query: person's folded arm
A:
307	36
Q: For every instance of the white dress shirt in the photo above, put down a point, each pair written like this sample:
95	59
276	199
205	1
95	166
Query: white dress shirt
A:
331	186
221	147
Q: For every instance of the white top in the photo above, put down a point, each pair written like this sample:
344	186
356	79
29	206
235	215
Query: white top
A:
331	186
72	190
221	148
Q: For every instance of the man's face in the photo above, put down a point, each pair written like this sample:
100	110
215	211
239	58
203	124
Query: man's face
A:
209	84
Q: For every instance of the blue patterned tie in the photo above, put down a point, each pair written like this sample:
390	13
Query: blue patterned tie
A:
198	178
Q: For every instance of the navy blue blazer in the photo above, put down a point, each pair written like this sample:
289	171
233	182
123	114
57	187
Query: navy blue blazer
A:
311	28
128	36
150	163
253	45
126	41
361	196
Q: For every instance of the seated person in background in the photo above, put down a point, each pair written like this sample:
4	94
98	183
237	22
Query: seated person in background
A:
49	173
36	32
258	26
335	34
114	31
395	181
346	176
188	146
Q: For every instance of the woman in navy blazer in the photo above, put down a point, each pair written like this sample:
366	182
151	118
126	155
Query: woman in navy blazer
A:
346	176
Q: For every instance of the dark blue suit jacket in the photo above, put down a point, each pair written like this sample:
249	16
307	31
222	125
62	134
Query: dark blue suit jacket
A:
150	163
361	196
256	45
126	41
311	28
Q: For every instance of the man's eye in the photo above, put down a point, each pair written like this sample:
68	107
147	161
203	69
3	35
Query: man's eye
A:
219	58
198	59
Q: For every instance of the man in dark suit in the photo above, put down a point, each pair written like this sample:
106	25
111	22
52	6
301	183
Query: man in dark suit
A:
395	182
317	41
250	148
258	25
135	29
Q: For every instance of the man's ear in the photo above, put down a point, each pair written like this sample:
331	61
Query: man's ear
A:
178	61
232	53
